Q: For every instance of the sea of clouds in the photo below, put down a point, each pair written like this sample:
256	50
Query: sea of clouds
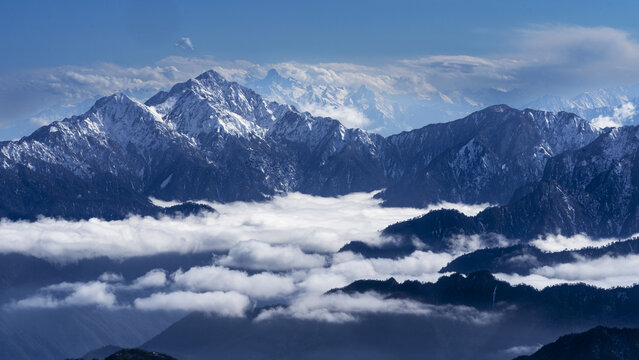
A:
281	252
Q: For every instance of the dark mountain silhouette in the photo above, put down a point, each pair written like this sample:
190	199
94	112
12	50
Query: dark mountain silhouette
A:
520	259
600	343
137	354
559	303
521	315
100	353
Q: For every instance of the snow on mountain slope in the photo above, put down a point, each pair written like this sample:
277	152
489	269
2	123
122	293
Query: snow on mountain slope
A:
363	107
99	140
612	107
209	138
484	157
210	103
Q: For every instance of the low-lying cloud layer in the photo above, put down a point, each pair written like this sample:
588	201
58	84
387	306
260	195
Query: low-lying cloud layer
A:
230	303
555	243
340	307
257	255
605	272
228	292
272	252
93	293
308	223
280	252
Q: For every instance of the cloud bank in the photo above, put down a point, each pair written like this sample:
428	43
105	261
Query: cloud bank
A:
279	252
311	224
340	307
604	272
229	304
259	286
93	293
555	243
257	255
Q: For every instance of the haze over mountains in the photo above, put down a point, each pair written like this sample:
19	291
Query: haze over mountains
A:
180	172
358	98
229	143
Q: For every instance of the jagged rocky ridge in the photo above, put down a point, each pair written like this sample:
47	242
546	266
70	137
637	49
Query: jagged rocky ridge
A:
481	290
591	190
483	157
212	139
206	138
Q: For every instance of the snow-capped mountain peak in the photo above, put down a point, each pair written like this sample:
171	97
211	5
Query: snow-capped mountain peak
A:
211	104
210	138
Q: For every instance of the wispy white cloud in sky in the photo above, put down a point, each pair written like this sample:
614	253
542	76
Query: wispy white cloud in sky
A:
560	59
185	43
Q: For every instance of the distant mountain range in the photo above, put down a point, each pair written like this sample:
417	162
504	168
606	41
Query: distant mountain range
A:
591	190
364	107
523	316
211	139
541	172
207	139
481	290
603	107
387	113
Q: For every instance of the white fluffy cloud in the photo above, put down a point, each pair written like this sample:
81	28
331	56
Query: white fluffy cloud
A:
578	54
94	293
343	307
605	272
520	350
291	242
313	224
230	304
348	267
340	307
257	255
349	116
621	115
282	251
555	243
152	279
163	292
466	209
110	277
209	278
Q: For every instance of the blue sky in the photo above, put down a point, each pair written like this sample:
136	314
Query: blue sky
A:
133	33
56	54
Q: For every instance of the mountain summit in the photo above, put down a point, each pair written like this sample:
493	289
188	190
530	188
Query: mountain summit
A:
213	139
